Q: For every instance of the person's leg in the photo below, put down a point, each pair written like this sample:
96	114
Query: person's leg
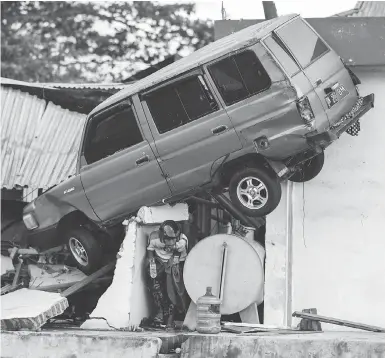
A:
167	305
155	287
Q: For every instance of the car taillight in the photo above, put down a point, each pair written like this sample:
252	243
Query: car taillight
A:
30	221
305	110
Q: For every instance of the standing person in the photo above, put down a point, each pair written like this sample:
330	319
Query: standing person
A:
166	253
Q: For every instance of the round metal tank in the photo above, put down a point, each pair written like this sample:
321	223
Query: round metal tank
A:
244	275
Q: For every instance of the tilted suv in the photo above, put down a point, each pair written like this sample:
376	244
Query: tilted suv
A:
241	114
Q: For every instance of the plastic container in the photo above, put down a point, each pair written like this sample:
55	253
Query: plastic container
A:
208	313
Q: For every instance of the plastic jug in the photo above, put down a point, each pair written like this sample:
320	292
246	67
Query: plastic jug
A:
208	313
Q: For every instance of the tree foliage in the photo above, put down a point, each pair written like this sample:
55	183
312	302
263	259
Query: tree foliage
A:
69	41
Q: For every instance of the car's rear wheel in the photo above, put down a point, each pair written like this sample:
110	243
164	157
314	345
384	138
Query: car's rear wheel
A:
85	250
255	192
308	170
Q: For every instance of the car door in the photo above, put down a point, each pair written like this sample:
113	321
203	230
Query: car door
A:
322	66
119	170
259	100
190	129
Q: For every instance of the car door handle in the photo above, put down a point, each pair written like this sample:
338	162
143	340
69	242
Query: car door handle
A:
142	160
219	129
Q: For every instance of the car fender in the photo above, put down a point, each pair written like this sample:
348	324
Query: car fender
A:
61	200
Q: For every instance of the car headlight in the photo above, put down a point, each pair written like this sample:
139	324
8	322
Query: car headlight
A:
30	221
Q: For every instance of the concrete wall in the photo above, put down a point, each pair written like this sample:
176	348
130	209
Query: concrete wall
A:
338	234
325	244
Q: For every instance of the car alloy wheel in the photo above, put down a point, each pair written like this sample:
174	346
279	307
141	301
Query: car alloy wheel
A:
252	193
78	251
255	191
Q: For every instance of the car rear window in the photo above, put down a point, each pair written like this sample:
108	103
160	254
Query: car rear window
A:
239	76
303	42
180	103
109	133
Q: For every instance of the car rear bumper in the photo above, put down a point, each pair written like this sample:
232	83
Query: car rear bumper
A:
322	140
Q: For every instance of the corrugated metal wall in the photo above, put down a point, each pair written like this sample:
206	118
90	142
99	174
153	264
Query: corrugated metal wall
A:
39	141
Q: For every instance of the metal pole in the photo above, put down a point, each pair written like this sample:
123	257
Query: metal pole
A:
204	201
232	210
269	9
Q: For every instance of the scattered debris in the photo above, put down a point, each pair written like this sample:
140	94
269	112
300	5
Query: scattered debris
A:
26	309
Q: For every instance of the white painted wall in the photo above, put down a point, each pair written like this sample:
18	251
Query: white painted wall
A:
325	243
338	245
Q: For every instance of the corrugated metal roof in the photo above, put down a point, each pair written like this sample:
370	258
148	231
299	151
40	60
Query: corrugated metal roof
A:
52	85
207	53
366	9
39	141
9	81
104	86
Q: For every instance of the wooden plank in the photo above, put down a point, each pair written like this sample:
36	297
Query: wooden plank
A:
338	322
79	285
17	274
65	285
52	250
23	251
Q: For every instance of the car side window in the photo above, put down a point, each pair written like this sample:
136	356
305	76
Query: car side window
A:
282	56
239	76
180	103
303	42
111	132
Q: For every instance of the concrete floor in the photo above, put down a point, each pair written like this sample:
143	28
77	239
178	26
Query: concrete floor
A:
83	343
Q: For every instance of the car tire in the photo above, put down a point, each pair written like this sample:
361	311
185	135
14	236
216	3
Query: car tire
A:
85	250
309	169
258	182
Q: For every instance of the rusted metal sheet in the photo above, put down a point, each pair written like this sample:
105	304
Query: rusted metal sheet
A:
53	85
39	141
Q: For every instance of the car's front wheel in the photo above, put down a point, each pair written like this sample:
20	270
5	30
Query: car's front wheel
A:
255	192
85	249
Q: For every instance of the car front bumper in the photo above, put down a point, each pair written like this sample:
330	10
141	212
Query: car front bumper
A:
43	239
322	140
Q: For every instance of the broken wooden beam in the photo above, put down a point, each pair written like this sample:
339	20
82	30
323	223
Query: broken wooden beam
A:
65	285
79	285
204	201
339	322
17	273
18	251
